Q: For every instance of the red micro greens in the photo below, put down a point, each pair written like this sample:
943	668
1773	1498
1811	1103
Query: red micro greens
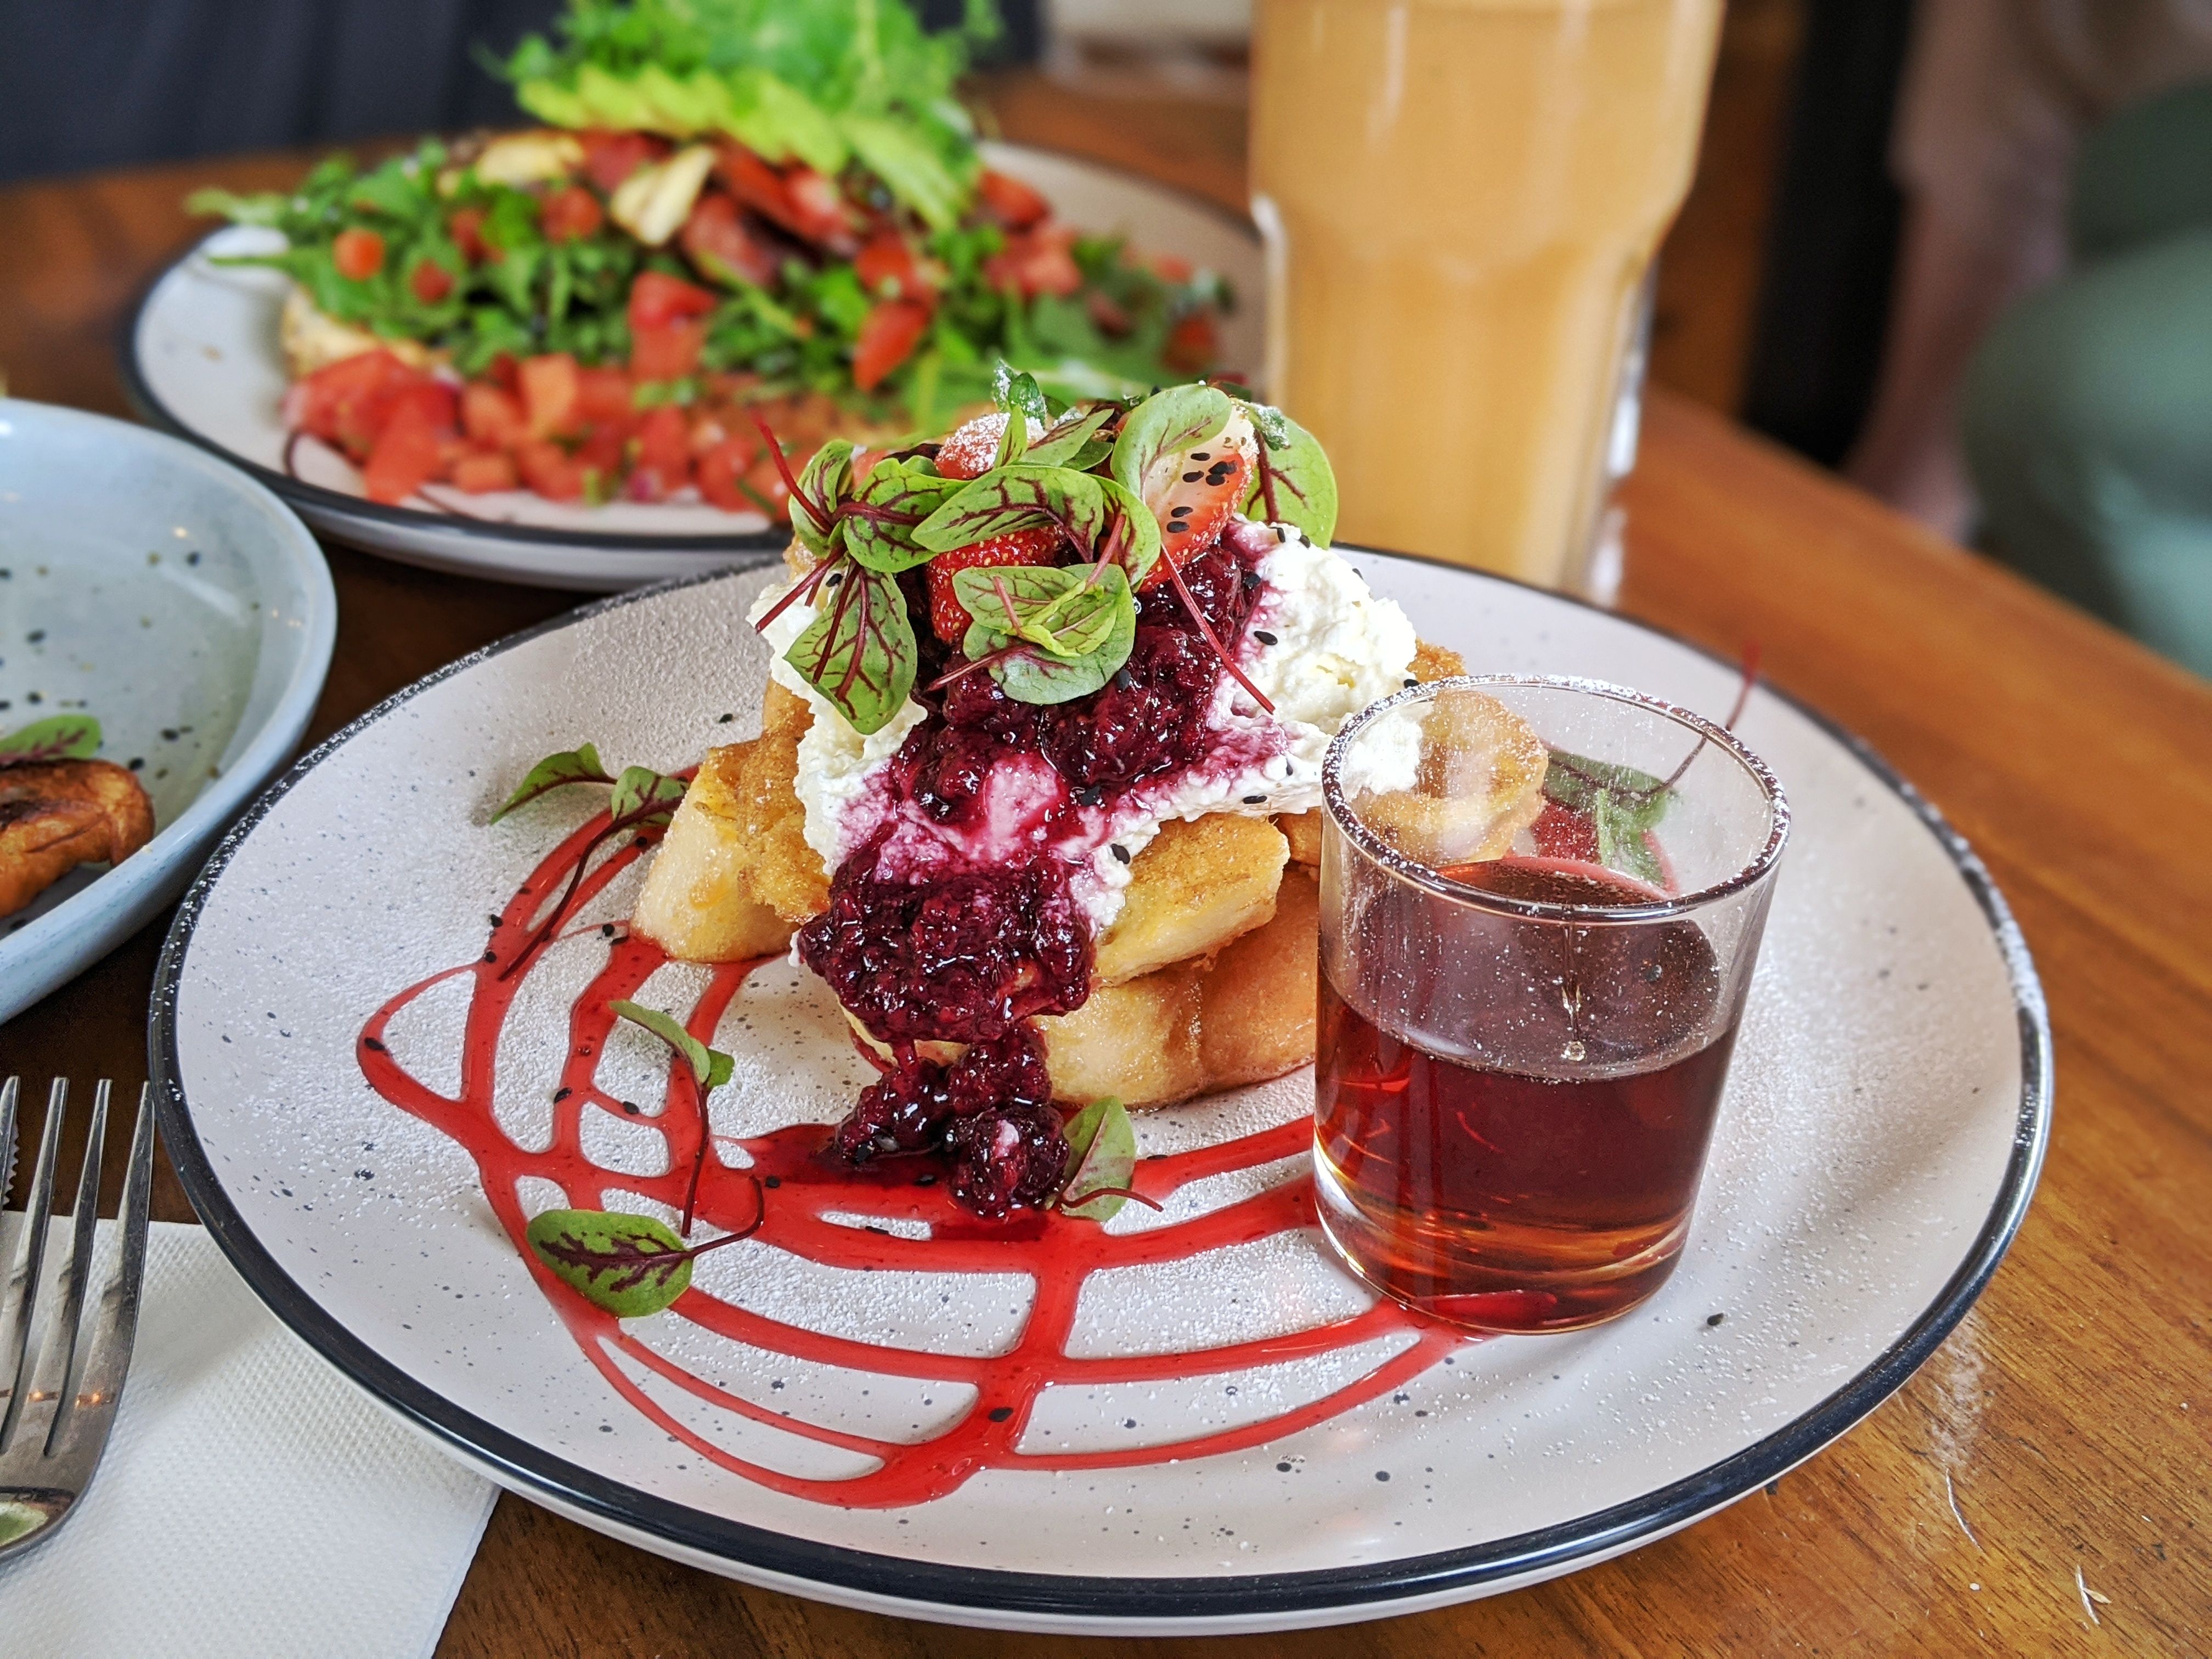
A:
1089	1193
1205	629
814	509
544	930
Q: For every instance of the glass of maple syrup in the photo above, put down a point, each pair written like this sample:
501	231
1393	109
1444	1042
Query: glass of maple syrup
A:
1541	902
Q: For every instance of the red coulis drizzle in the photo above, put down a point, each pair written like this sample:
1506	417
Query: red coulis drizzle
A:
1056	1253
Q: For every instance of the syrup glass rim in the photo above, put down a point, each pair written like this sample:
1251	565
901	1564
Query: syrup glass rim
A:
1372	845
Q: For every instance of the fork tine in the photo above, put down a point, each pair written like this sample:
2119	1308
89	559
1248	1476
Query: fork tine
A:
7	1139
18	1360
68	1363
109	1356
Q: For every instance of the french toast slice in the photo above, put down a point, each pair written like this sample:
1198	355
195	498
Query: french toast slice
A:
1196	886
1479	784
700	901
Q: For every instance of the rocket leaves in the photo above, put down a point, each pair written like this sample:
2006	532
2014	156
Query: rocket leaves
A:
859	651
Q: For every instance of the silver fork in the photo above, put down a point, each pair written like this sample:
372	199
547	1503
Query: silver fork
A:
63	1372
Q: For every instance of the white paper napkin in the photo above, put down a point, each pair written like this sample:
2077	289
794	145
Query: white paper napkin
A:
252	1504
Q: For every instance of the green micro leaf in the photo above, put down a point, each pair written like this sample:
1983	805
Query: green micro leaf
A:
638	791
710	1067
897	497
1102	1154
629	1265
1295	472
1052	634
1101	517
59	737
860	650
1015	391
827	480
1623	805
577	765
1076	444
1160	431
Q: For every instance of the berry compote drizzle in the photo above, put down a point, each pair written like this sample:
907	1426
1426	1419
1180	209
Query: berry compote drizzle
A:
971	952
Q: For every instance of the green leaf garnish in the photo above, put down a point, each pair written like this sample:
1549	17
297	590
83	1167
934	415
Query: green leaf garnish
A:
58	737
1021	400
860	650
1623	805
1070	611
1075	444
1293	483
1101	1158
710	1067
1101	516
578	765
630	1265
638	791
826	484
899	495
1160	431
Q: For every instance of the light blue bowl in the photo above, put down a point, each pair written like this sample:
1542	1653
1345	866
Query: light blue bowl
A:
149	584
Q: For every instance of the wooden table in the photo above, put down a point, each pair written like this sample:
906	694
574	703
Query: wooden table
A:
2041	1486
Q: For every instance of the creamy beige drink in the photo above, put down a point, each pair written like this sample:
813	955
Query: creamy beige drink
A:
1462	198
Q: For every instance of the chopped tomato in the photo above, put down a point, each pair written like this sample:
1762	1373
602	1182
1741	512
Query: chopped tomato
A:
655	299
1168	267
889	335
481	471
1011	202
1191	346
570	214
357	253
800	199
491	415
346	403
720	246
466	228
1035	262
605	448
664	443
1107	312
547	468
550	393
668	351
887	268
720	470
435	400
611	157
429	282
604	394
406	456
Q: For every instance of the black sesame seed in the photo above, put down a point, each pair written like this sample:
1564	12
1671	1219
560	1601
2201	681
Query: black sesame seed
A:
1121	852
136	762
1177	528
1091	795
1000	1413
1124	678
562	1094
1263	636
169	734
1200	455
630	1106
35	635
1253	800
773	1181
1251	579
1412	682
374	1044
724	720
1191	478
1714	1319
918	1181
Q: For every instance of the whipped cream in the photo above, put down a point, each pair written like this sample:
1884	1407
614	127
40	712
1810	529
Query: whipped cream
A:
1317	643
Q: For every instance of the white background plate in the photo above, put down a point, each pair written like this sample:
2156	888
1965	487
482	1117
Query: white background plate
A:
1883	1125
200	359
183	606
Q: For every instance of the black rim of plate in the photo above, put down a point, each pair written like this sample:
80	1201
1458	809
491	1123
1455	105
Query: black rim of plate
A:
1055	1597
336	504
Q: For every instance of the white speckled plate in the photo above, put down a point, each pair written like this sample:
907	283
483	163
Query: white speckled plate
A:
182	605
200	359
932	1428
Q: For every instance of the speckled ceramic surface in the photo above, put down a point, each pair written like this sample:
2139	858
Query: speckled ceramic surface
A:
200	359
1879	1140
182	605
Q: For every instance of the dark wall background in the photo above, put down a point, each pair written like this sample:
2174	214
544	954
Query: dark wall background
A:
98	83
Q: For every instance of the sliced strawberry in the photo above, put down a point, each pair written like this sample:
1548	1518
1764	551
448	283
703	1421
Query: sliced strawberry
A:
974	445
946	614
1194	492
